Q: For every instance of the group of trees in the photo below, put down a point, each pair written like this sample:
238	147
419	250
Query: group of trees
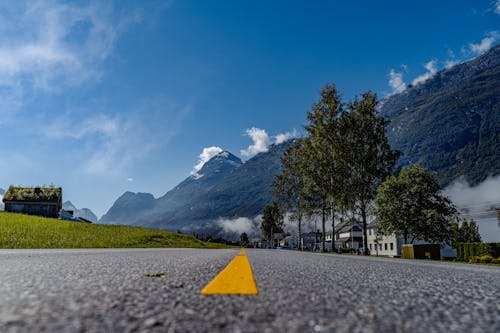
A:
345	166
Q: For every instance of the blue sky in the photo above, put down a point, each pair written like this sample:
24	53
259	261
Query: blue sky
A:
102	97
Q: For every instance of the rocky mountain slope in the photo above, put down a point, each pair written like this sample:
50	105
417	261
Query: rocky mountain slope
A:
144	210
451	123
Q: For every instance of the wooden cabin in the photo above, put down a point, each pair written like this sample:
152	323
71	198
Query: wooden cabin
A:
42	201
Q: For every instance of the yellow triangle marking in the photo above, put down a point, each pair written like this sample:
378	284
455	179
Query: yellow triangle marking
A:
236	278
243	252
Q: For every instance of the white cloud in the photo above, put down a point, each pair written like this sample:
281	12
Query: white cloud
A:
130	179
240	225
48	46
261	141
280	138
485	44
204	157
497	7
431	70
396	82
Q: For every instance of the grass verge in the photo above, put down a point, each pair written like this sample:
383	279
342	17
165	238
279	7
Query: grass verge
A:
20	231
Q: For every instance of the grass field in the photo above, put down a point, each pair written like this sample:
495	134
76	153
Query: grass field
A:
19	231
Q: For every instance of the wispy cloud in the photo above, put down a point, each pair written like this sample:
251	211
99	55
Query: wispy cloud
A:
261	142
282	137
48	45
431	70
485	44
496	7
396	82
204	157
110	143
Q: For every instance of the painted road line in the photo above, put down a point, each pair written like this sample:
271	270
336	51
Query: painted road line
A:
235	279
243	252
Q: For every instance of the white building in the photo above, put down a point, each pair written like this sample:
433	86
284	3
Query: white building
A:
383	245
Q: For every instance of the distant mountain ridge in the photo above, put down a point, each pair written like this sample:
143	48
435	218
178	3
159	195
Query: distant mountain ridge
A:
450	123
144	210
84	212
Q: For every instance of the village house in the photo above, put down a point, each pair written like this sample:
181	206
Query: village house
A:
42	201
350	236
381	245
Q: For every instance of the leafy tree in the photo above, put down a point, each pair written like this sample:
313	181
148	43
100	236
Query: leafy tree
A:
366	153
311	171
290	187
411	204
323	147
272	220
244	241
464	232
471	230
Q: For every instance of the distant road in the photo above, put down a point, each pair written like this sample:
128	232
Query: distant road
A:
106	291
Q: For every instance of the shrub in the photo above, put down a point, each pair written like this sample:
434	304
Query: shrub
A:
485	259
467	250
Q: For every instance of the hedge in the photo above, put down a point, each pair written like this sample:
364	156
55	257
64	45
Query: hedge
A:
467	250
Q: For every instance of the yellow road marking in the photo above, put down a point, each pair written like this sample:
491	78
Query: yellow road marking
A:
236	278
243	252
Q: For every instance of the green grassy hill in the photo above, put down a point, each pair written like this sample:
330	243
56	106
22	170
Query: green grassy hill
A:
19	231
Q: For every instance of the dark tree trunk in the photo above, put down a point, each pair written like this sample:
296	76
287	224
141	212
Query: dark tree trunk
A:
300	233
323	222
365	232
332	211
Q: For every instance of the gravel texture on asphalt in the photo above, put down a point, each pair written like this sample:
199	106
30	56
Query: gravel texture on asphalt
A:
107	291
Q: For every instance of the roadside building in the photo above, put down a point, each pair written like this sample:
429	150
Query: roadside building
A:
380	245
42	201
311	241
349	235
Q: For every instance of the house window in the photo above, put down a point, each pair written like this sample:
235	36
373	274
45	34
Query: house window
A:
370	247
385	246
380	247
392	246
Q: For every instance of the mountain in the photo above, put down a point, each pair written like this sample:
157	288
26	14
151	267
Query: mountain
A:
84	212
144	210
243	193
450	123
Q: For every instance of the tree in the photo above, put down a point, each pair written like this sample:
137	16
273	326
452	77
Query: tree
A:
290	187
244	241
366	153
412	204
272	220
464	232
324	147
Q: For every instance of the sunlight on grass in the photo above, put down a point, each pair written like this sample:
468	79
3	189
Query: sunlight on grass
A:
19	231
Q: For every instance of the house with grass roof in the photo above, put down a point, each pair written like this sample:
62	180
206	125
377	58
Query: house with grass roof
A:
42	201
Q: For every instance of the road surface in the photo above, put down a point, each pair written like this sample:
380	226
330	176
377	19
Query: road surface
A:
107	291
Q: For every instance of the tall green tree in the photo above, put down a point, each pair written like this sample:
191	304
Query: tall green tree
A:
272	220
366	153
244	241
312	172
464	232
324	147
291	188
411	204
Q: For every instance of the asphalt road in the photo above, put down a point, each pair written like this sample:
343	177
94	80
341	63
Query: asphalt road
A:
106	291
